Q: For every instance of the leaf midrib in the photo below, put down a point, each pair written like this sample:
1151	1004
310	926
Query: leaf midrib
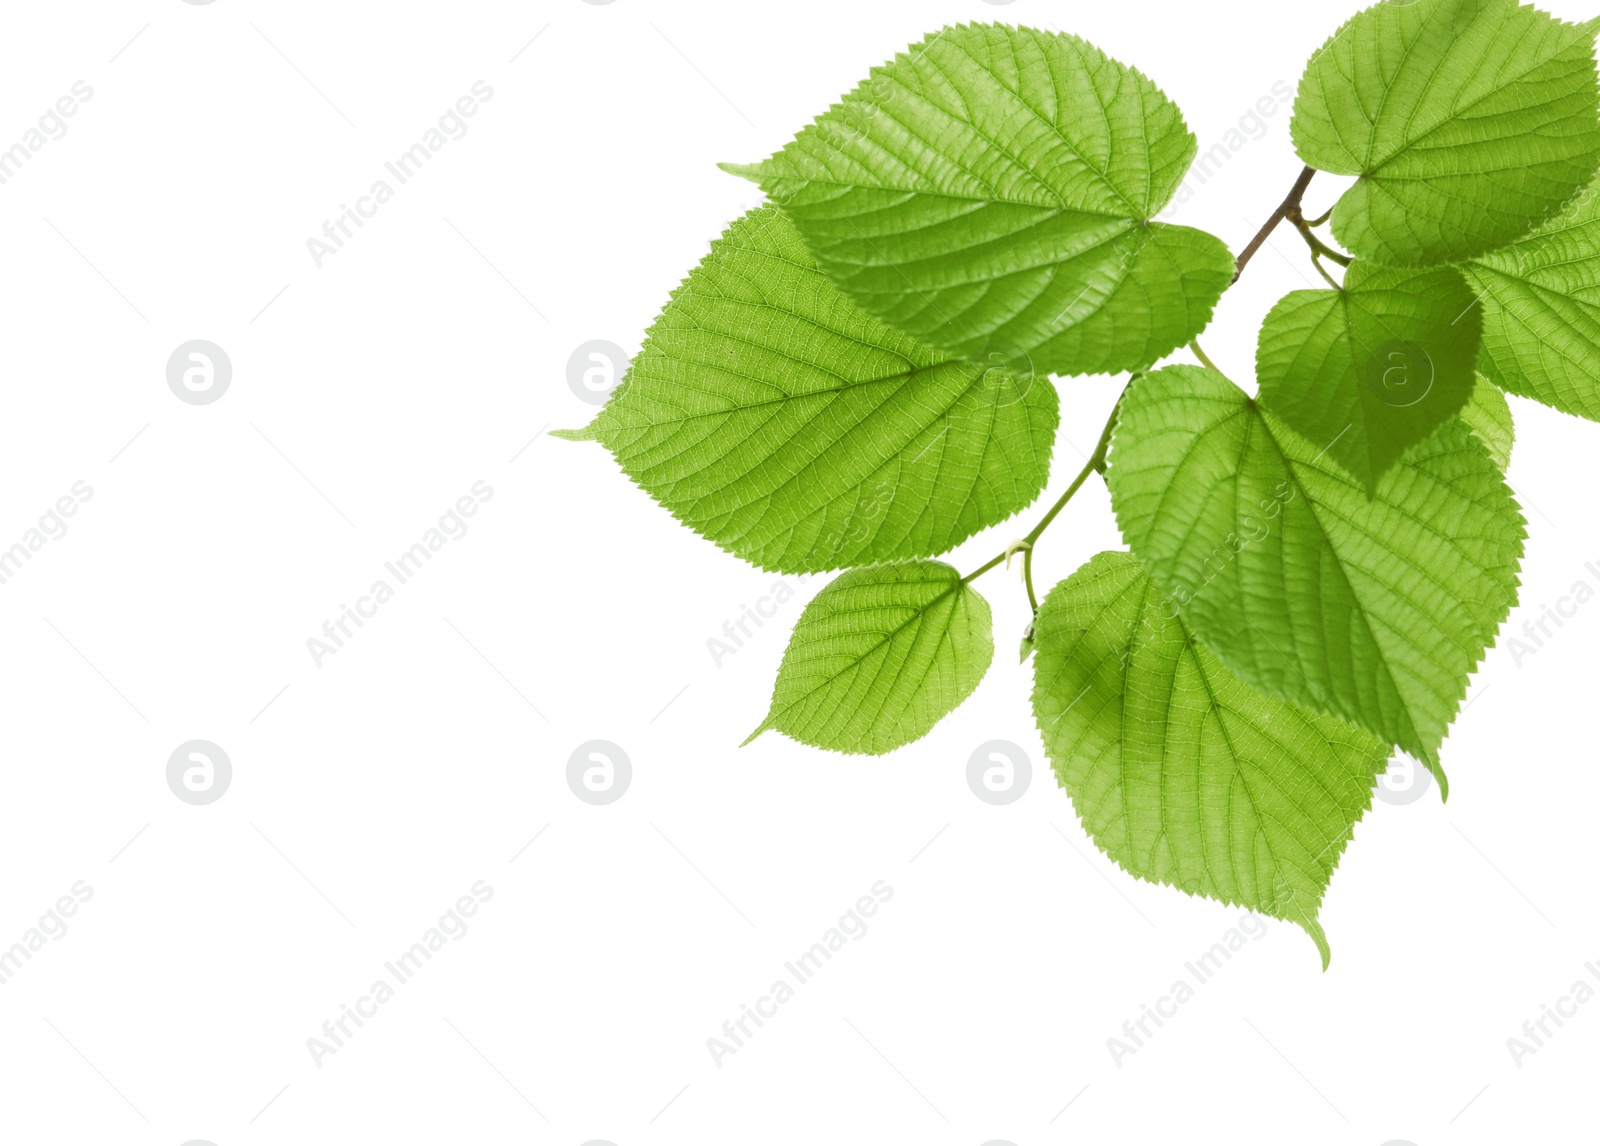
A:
1253	417
969	87
918	614
1374	165
900	378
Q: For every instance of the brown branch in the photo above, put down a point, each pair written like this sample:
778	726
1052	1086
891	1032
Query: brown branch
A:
1291	203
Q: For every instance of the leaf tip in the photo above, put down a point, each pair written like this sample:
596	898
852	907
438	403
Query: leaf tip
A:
1313	928
1430	760
766	724
586	434
750	171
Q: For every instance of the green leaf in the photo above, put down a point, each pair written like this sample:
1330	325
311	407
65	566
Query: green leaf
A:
1541	311
1467	122
1376	609
990	191
776	418
1181	772
879	657
1370	370
1488	416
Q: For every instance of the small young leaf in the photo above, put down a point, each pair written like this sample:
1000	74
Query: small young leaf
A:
1541	311
773	416
879	657
1467	121
990	191
1370	370
1376	609
1181	772
1488	416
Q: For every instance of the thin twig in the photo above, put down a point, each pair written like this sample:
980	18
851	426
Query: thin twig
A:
1290	203
1095	464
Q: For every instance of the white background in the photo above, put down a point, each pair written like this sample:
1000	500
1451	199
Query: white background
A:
372	791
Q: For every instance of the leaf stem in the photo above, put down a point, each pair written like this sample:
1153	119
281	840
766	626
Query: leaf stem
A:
1318	247
1095	464
1194	347
982	569
1323	271
1290	203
